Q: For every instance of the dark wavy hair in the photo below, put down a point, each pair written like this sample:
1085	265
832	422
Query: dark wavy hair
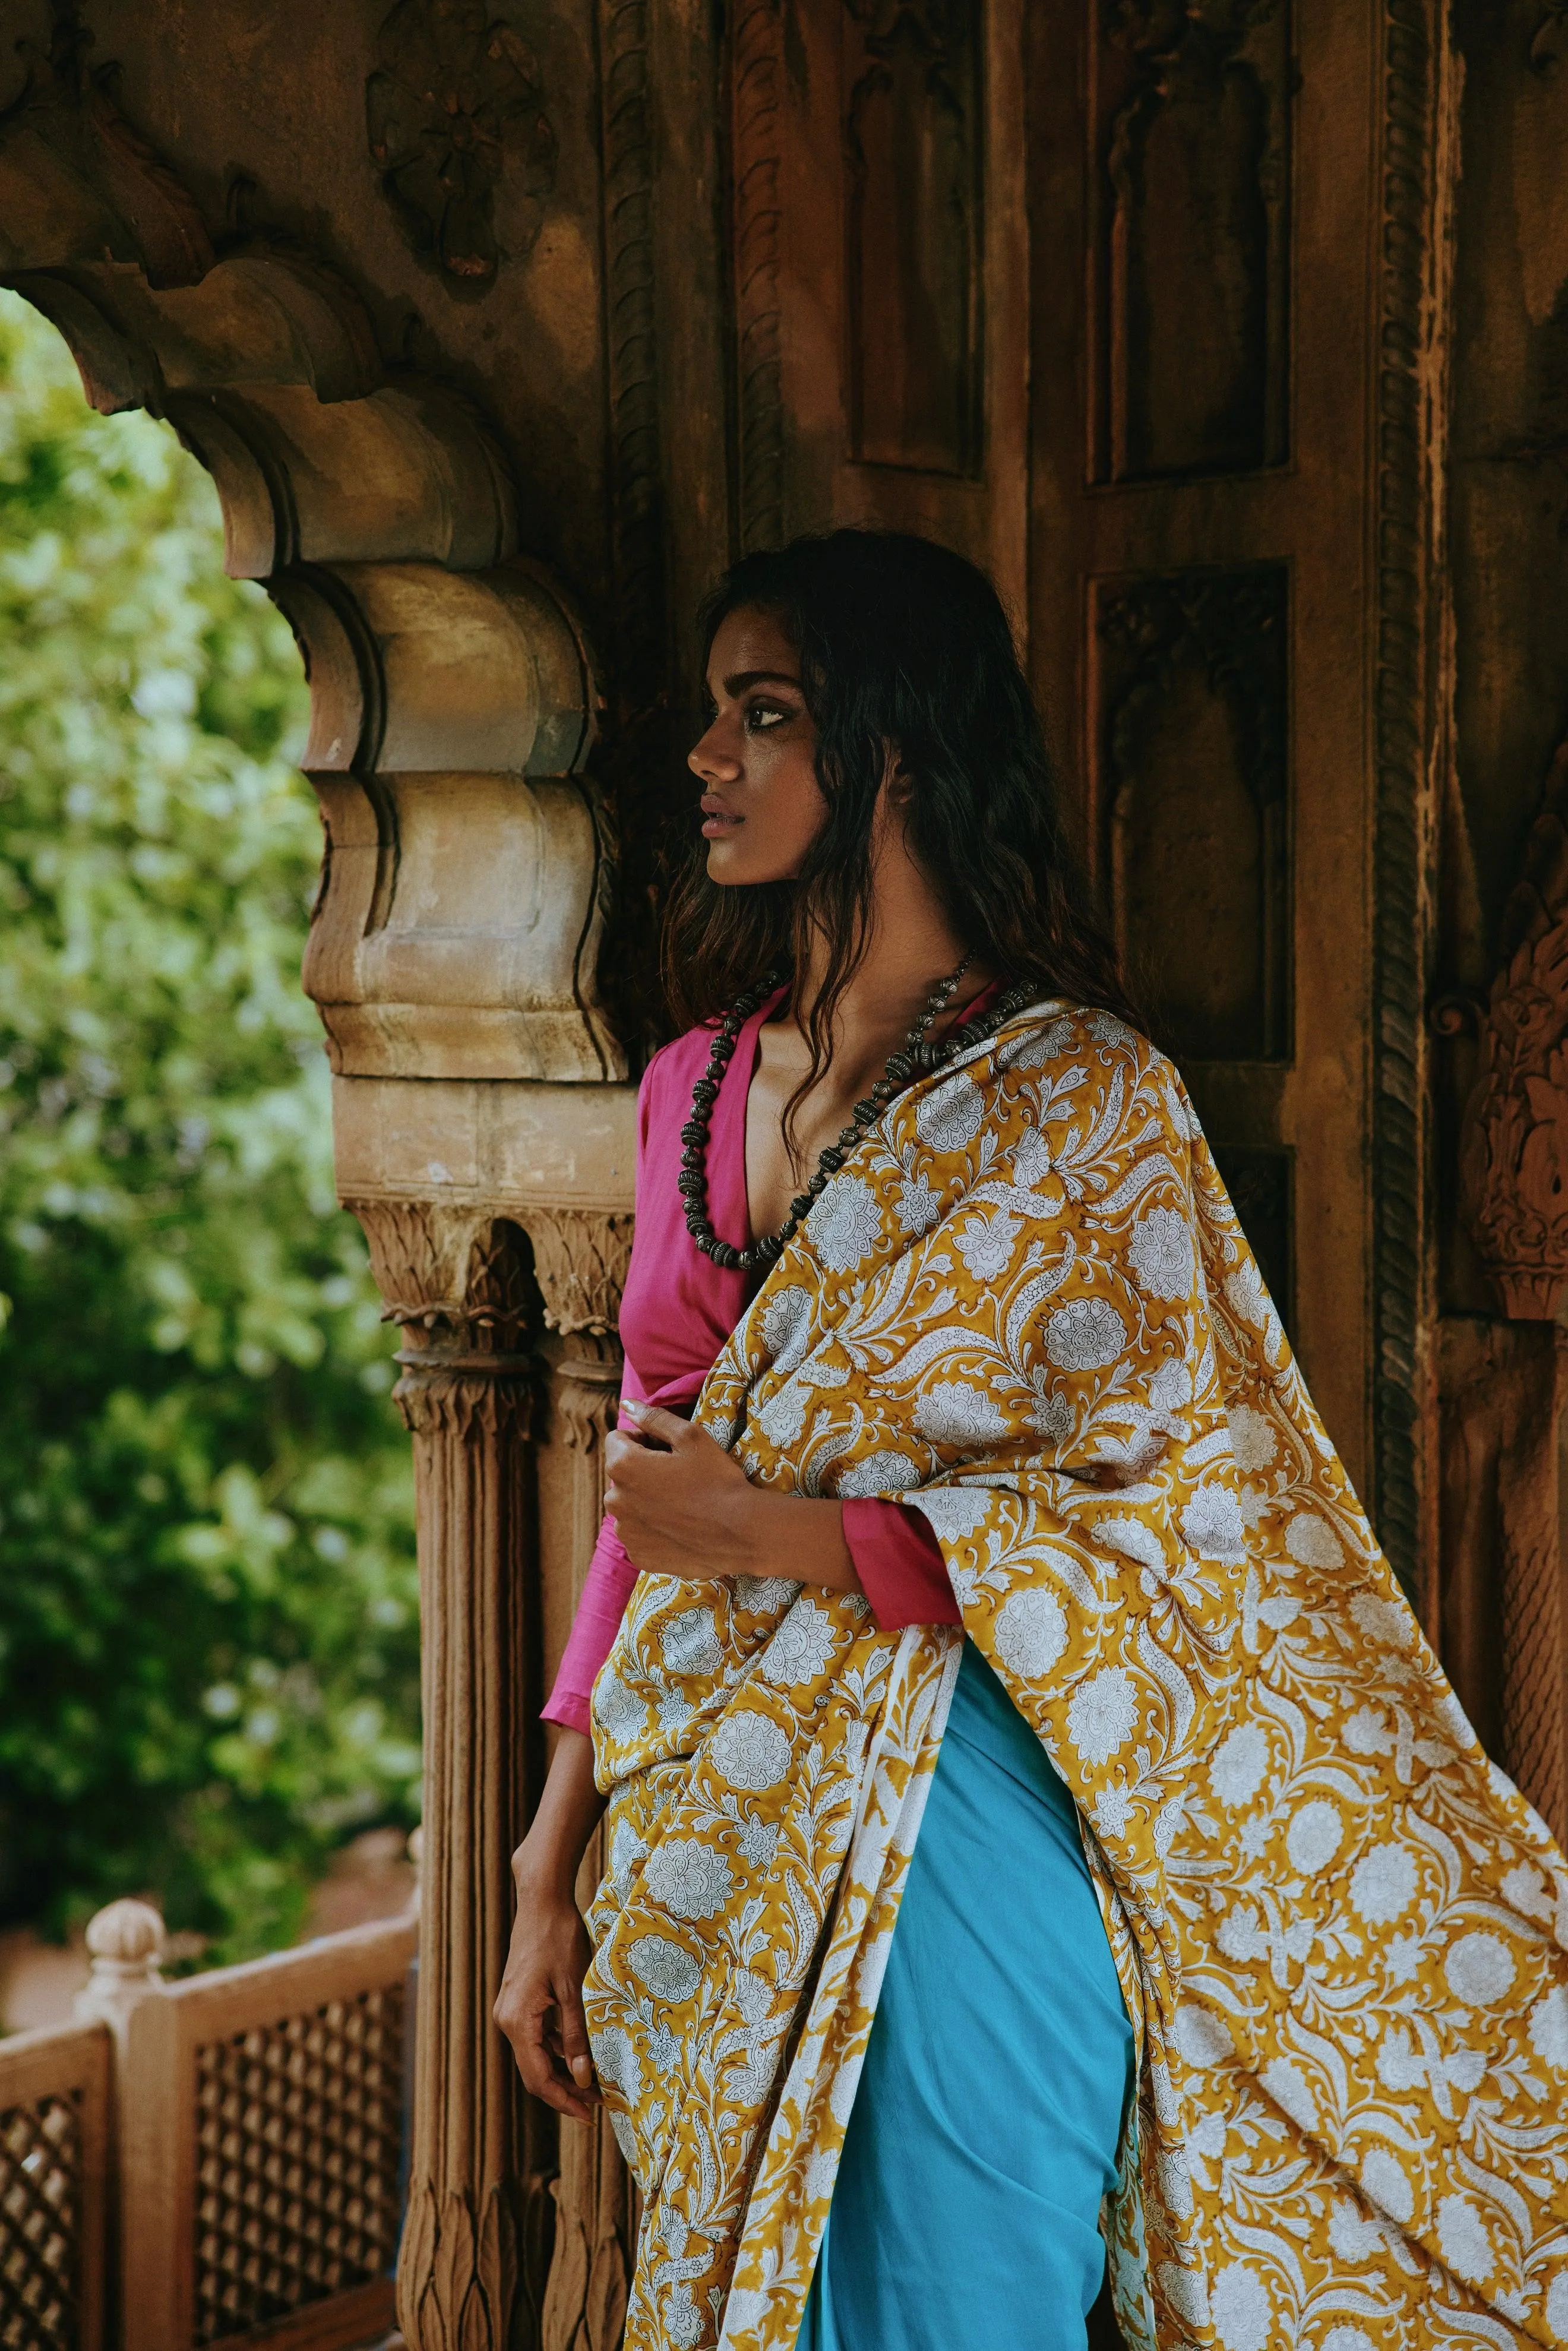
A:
901	642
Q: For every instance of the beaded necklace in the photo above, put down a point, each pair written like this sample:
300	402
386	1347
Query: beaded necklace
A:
916	1056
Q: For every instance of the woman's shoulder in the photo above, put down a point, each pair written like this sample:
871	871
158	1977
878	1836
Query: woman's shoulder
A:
665	1098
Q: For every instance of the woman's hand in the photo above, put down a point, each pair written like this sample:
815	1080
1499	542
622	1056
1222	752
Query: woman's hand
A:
688	1510
539	2004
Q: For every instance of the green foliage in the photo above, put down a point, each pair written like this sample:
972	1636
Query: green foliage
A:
208	1634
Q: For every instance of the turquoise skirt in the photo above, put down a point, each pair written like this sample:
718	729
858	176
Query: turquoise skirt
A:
987	2122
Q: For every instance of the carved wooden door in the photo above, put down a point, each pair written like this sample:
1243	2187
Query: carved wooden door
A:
1229	613
1137	303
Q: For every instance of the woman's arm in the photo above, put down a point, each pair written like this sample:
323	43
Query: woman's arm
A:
539	2004
688	1510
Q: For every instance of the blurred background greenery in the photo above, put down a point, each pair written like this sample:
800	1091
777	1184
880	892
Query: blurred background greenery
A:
208	1631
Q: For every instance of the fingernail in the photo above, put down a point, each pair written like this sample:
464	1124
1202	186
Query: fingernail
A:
633	1407
581	2072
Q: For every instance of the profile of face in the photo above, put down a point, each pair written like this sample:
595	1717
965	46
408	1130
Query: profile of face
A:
762	804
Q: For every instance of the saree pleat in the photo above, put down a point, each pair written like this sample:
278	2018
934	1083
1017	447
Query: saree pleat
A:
988	2112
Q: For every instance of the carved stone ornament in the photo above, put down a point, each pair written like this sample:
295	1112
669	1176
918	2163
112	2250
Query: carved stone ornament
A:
147	214
1514	1152
457	129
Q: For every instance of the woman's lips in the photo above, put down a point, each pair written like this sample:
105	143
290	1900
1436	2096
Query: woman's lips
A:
717	820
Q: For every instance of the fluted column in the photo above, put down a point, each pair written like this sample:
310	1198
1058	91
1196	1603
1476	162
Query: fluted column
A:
476	2241
580	1260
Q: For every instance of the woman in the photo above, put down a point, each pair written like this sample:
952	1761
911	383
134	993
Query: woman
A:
1005	1589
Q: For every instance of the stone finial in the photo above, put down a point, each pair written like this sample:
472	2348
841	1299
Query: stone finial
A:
125	1941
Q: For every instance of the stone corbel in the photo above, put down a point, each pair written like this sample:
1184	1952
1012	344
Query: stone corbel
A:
1515	1149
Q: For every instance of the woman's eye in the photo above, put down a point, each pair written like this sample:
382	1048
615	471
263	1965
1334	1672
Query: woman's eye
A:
763	714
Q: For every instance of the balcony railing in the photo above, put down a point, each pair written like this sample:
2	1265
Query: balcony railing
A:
215	2162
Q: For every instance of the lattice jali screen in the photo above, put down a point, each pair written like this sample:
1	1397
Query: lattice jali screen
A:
40	2225
296	2162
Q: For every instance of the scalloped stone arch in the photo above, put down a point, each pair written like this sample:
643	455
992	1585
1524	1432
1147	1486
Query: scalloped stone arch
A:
454	699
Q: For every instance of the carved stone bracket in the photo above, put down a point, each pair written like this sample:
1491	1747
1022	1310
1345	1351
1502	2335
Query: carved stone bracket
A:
580	1257
1514	1150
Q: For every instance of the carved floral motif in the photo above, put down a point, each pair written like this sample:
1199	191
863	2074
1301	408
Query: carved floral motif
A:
455	118
1513	1159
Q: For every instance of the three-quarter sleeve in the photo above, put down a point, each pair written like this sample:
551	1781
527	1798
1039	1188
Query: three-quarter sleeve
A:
605	1592
899	1563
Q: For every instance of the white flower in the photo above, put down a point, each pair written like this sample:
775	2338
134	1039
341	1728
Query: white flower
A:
1113	1809
617	2063
1133	1539
1384	1621
1287	2086
1203	2038
1031	1160
1185	2292
620	1711
1549	2035
801	1646
786	1326
1031	1633
1110	1030
1557	2305
1382	1884
764	1595
1161	1251
674	1713
1236	1768
1085	1335
1385	2183
759	1842
1213	1525
1366	1732
956	1511
1479	1971
667	1969
1171	1386
1315	1836
951	1114
1102	1714
783	1416
985	1243
688	1879
1252	1438
626	1850
751	1750
845	1224
1312	1542
952	1413
1240	2309
879	1473
1351	2338
1052	1414
918	1205
691	1644
1461	2233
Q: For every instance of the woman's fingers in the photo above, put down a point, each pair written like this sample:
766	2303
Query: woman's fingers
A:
664	1428
573	2035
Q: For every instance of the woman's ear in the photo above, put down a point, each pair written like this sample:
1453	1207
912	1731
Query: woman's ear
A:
897	783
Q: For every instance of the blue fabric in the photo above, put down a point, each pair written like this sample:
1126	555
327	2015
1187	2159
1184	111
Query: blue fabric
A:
986	2124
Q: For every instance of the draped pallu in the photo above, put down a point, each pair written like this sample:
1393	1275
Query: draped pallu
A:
1024	1306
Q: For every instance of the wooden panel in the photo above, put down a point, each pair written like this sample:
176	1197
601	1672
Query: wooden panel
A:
1191	789
1190	237
262	2111
1203	594
54	2188
912	135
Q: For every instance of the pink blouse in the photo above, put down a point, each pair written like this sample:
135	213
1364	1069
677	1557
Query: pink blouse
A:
677	1311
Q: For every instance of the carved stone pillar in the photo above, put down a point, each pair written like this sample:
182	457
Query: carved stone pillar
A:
478	2216
579	1261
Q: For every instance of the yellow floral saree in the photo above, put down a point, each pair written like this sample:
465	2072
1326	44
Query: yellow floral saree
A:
1024	1306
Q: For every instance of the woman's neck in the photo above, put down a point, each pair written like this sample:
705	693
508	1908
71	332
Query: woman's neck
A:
913	946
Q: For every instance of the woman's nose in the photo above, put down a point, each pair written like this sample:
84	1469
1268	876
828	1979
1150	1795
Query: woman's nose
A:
709	759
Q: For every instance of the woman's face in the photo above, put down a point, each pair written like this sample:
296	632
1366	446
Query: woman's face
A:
762	804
